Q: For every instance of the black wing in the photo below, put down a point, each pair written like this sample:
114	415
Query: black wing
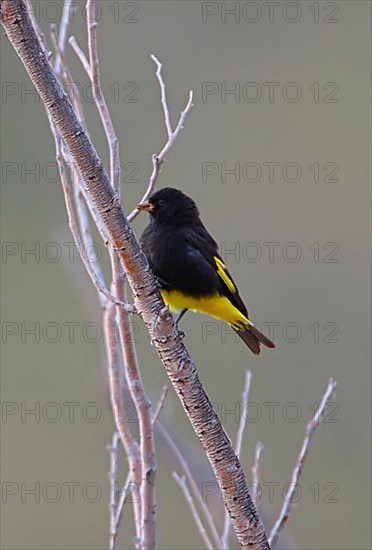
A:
202	241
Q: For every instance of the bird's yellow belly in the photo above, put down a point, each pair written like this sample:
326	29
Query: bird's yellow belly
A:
216	305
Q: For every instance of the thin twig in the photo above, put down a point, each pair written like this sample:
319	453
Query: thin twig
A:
80	54
190	478
243	414
160	404
256	471
122	501
238	448
157	160
163	96
310	430
195	514
115	171
113	477
67	8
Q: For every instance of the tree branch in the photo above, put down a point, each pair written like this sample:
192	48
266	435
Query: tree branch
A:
113	476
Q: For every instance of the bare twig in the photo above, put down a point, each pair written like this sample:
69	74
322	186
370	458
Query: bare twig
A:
160	404
310	430
195	514
122	500
113	477
81	55
243	413
163	96
157	160
100	98
256	471
238	448
67	8
194	486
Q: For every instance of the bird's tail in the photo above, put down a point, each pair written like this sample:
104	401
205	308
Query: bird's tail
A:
254	338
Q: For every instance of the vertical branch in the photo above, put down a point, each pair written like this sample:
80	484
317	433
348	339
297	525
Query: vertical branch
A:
256	471
113	476
100	98
67	9
122	500
160	404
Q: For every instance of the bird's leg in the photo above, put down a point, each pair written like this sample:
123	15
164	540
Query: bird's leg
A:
181	333
180	316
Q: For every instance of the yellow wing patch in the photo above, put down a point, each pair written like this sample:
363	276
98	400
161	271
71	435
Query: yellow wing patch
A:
224	276
217	306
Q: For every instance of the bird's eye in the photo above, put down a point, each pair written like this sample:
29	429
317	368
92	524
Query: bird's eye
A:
161	203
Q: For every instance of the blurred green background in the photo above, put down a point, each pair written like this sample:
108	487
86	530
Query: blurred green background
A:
319	304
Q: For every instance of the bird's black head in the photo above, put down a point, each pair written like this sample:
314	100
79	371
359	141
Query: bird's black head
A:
171	206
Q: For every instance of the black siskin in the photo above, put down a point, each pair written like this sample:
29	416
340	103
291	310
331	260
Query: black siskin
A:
191	273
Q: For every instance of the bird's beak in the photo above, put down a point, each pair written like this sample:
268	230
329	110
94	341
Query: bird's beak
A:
146	206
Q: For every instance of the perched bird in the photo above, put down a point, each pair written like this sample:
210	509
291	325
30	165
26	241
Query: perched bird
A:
185	260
